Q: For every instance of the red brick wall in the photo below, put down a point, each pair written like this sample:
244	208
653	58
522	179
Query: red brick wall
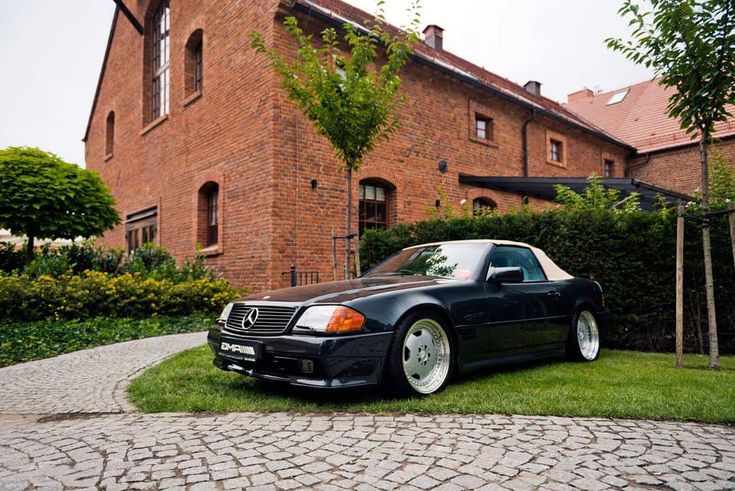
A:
226	131
679	169
244	133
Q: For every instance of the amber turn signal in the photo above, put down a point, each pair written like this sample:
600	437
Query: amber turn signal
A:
344	319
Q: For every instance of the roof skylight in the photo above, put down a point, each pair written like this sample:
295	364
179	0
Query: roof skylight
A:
616	98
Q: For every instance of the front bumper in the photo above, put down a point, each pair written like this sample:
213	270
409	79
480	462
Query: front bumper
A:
326	362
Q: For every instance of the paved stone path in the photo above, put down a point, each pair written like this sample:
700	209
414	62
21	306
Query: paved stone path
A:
339	451
87	381
288	451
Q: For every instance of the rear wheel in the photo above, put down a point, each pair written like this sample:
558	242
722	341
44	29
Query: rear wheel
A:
422	356
584	337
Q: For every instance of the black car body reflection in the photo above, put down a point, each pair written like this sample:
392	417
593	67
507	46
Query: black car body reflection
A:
458	305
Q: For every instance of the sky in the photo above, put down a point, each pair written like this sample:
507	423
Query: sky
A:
51	52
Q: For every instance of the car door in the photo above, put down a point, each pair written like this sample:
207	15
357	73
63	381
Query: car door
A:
520	314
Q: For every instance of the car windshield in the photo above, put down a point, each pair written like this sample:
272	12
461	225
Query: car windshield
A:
459	261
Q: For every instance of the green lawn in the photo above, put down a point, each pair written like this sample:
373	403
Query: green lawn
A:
621	384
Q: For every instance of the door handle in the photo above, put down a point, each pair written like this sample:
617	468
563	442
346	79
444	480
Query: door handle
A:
554	293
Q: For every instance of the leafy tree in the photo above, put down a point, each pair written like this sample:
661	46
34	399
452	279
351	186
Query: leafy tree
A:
596	197
41	196
691	45
352	100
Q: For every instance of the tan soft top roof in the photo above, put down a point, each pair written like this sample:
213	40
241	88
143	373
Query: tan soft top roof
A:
551	269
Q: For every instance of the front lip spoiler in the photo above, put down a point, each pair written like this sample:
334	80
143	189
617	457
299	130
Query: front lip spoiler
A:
295	381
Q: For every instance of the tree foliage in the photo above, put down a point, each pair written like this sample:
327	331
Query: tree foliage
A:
351	99
41	196
596	197
691	45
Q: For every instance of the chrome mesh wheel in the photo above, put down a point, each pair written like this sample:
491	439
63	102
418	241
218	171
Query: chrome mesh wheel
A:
426	356
588	335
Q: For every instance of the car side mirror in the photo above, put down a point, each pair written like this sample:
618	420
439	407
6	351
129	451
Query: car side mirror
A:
506	275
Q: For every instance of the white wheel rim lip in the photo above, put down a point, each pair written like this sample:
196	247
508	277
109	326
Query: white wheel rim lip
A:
426	356
588	335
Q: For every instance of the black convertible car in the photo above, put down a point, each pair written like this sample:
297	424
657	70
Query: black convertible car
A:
415	320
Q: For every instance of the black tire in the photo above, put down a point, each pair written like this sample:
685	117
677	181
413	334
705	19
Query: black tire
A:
432	351
584	346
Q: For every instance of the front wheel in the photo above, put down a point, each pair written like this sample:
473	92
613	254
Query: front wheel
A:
584	337
422	356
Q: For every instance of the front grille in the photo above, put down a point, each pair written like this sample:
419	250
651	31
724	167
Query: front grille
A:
271	319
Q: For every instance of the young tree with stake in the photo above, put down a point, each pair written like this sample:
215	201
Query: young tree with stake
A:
352	100
690	44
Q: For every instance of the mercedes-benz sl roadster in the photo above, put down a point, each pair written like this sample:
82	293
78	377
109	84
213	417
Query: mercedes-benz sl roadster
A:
416	320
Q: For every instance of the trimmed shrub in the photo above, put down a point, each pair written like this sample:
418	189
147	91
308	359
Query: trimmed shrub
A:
92	293
11	258
632	255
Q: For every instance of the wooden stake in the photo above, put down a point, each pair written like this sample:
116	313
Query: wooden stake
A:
731	214
680	287
358	272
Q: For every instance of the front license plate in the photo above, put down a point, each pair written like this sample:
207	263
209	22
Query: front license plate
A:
239	349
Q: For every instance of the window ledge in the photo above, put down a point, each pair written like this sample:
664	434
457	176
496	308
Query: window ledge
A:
213	250
107	157
192	98
556	163
153	124
484	141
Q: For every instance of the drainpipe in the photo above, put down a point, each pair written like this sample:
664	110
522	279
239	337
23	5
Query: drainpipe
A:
524	139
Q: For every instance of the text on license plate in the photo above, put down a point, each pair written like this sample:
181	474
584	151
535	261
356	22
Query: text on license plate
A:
237	348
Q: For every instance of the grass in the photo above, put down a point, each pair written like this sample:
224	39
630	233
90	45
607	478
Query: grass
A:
26	341
621	384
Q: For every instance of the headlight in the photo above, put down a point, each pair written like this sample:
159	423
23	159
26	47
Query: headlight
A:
331	318
225	313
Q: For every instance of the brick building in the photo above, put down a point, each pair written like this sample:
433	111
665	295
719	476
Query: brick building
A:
665	154
201	147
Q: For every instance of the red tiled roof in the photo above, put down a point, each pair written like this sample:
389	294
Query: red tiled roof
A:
341	11
640	119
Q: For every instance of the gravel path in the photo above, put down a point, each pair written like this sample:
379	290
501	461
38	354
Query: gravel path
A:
337	451
87	381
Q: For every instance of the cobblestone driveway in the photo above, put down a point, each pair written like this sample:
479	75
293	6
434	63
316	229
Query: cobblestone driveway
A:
285	451
87	381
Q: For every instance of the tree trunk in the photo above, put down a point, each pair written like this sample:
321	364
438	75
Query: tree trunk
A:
348	222
714	350
29	247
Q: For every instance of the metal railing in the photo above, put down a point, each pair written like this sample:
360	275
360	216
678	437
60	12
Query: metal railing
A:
293	277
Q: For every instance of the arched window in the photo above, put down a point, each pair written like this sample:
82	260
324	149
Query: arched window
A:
193	64
374	209
208	214
482	206
160	54
110	134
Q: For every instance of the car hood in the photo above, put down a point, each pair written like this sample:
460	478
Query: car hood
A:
344	291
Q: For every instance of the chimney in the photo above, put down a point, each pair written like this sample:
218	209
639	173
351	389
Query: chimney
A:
533	87
580	95
434	37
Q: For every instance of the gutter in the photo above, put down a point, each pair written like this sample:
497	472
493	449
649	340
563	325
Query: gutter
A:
334	20
129	15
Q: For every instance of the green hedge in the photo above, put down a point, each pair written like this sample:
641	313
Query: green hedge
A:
26	341
93	294
632	255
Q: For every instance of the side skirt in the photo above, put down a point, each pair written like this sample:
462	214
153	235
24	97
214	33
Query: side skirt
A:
513	359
